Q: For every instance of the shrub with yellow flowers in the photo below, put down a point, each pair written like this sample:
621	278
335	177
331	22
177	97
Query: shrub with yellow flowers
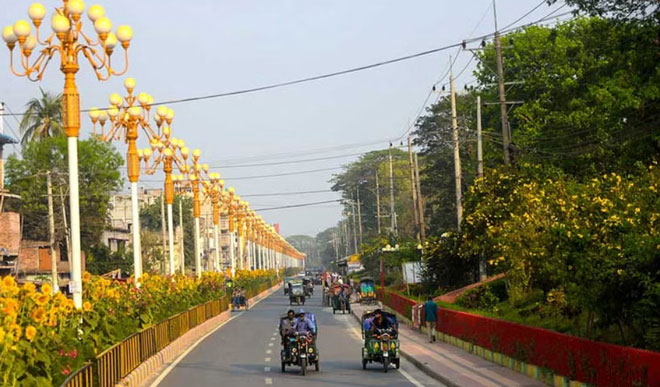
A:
43	338
598	239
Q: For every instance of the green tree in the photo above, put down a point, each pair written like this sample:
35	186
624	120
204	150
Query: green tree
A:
361	175
616	9
150	219
433	135
308	245
42	119
589	92
99	176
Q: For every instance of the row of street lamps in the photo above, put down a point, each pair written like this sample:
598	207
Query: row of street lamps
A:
259	245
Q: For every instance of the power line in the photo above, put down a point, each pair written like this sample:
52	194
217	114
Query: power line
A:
288	193
297	205
336	73
272	175
527	14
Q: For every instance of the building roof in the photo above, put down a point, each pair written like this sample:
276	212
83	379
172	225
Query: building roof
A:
4	139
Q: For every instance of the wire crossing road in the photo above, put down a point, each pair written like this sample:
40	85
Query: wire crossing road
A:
246	352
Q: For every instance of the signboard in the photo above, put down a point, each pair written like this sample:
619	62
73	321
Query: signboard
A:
412	272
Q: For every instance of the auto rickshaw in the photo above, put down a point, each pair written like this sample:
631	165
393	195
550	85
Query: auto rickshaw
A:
300	349
297	293
380	345
341	295
367	291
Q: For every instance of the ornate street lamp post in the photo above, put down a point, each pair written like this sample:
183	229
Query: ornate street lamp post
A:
213	189
170	152
71	41
127	116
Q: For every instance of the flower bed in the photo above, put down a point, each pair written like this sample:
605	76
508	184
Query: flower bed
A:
43	338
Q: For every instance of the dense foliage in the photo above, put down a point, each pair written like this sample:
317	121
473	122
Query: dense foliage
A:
98	176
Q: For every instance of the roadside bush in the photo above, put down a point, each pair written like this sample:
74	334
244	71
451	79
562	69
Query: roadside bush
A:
481	298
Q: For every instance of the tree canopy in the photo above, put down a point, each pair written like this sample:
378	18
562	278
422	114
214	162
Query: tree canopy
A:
99	177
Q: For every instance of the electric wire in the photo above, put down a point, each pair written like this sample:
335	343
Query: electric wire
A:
297	205
340	72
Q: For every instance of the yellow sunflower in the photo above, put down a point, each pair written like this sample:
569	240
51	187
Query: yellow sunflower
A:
87	306
41	299
38	315
8	282
29	287
46	289
30	332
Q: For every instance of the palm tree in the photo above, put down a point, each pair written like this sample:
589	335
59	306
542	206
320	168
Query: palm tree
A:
42	119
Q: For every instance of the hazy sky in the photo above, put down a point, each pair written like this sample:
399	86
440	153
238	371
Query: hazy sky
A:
192	48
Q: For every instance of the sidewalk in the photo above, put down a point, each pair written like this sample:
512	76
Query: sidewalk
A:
451	365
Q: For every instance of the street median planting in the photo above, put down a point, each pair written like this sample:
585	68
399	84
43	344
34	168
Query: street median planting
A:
44	340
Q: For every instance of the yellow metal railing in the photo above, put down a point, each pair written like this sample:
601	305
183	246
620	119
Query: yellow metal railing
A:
116	362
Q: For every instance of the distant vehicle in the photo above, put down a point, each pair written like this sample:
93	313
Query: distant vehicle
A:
297	293
367	291
341	295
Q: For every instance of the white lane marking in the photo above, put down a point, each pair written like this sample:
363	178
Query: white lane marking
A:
272	339
269	381
270	344
269	351
274	333
267	360
266	369
169	369
410	378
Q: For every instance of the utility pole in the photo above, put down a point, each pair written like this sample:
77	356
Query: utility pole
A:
182	264
162	223
335	244
51	232
457	158
355	245
392	214
347	237
359	211
413	190
377	203
480	155
420	202
506	134
66	226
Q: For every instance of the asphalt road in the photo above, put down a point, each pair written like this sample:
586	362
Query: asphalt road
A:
245	352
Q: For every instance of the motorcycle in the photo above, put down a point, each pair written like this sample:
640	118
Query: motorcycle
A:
300	351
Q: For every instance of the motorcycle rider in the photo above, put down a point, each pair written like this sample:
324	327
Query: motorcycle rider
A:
379	321
303	324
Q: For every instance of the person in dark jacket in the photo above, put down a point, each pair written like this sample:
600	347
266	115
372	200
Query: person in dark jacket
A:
430	316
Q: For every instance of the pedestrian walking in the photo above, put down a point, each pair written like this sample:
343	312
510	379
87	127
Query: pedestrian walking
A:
431	317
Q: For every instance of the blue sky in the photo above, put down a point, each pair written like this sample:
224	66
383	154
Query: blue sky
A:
190	48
